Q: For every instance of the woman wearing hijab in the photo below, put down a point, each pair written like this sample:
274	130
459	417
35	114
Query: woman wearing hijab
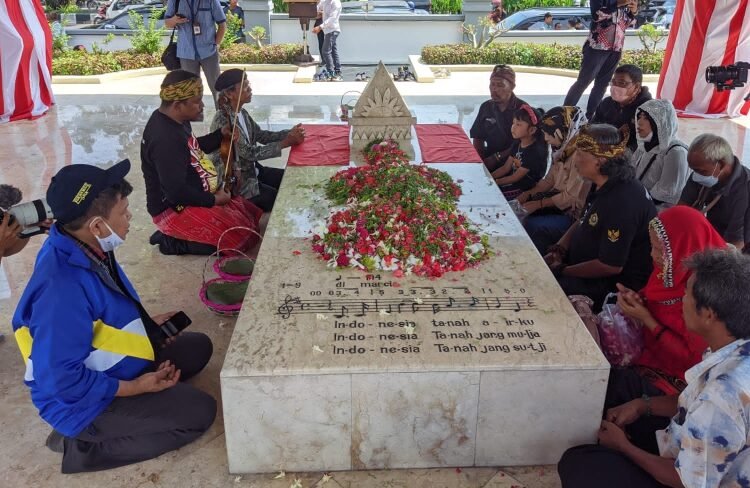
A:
661	159
669	349
556	201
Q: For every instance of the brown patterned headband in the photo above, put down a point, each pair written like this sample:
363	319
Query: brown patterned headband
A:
586	143
182	90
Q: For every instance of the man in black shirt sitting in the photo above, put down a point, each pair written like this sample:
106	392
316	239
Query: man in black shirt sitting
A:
491	129
610	243
720	188
184	193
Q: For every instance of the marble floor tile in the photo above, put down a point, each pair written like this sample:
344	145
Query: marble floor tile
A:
417	478
533	476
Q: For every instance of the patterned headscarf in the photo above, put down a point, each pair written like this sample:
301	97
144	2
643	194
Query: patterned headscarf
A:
588	144
683	231
182	90
505	72
564	123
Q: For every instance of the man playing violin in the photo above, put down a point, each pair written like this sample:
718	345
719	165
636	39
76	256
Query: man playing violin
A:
256	182
189	206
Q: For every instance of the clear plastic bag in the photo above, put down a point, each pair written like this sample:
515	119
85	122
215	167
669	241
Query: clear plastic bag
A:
621	338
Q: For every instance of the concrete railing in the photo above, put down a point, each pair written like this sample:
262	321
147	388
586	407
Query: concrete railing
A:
372	38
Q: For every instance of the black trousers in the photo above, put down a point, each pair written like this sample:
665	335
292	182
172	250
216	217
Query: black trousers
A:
597	66
321	37
137	428
596	466
269	181
625	384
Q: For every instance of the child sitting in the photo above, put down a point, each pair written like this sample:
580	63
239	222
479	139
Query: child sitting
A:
529	154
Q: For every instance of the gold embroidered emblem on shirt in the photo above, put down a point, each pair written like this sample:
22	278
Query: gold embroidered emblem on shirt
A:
593	219
613	235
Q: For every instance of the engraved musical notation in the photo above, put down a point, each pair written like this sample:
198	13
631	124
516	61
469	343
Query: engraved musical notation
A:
346	307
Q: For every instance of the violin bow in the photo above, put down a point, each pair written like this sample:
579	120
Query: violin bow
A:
234	125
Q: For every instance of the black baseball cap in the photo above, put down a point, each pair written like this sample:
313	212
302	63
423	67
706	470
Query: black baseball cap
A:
75	187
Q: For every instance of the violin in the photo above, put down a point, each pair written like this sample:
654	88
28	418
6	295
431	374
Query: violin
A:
228	148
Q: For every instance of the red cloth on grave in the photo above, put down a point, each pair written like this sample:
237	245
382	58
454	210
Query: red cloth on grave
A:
325	145
445	143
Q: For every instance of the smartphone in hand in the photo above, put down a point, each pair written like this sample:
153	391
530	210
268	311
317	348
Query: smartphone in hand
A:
175	325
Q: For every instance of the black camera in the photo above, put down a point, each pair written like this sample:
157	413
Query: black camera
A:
728	77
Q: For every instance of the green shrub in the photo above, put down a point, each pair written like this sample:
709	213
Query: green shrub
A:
269	54
234	25
258	34
279	7
59	38
511	6
132	60
148	37
83	63
446	6
529	54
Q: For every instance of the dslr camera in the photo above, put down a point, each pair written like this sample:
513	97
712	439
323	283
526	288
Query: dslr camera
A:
27	214
728	77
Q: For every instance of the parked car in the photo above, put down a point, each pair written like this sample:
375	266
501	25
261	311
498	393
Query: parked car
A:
524	19
381	7
119	6
122	21
665	13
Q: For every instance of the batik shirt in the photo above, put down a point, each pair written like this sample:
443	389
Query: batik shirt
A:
708	438
608	26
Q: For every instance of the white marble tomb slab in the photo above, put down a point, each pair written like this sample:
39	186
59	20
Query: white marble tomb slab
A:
414	420
504	329
264	409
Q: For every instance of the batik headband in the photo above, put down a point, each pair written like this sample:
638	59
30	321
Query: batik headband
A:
182	90
532	115
588	144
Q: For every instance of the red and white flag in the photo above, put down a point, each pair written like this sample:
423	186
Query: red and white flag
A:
25	60
705	33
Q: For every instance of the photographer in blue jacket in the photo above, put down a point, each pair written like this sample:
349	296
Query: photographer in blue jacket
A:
100	370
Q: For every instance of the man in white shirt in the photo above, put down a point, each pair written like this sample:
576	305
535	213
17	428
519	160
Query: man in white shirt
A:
546	25
331	12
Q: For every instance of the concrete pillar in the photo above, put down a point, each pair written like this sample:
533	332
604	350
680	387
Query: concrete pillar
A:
475	9
258	12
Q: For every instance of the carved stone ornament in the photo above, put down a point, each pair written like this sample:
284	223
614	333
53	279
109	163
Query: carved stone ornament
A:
380	112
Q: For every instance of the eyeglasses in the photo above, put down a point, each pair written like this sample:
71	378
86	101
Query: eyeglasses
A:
621	84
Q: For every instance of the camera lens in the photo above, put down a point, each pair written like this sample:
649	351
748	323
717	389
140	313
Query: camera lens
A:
32	212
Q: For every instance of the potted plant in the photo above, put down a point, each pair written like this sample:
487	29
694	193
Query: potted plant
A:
68	13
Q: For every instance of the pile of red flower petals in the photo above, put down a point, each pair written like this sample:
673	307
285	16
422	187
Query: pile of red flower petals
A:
401	218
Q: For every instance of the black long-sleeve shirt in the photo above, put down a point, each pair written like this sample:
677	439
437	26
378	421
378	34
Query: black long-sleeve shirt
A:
171	180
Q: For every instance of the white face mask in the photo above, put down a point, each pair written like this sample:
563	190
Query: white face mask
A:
646	139
618	93
707	181
111	242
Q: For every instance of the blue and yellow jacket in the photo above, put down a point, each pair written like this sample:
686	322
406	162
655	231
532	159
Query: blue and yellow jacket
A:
78	334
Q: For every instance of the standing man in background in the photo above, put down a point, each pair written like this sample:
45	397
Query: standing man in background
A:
198	38
602	50
331	28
